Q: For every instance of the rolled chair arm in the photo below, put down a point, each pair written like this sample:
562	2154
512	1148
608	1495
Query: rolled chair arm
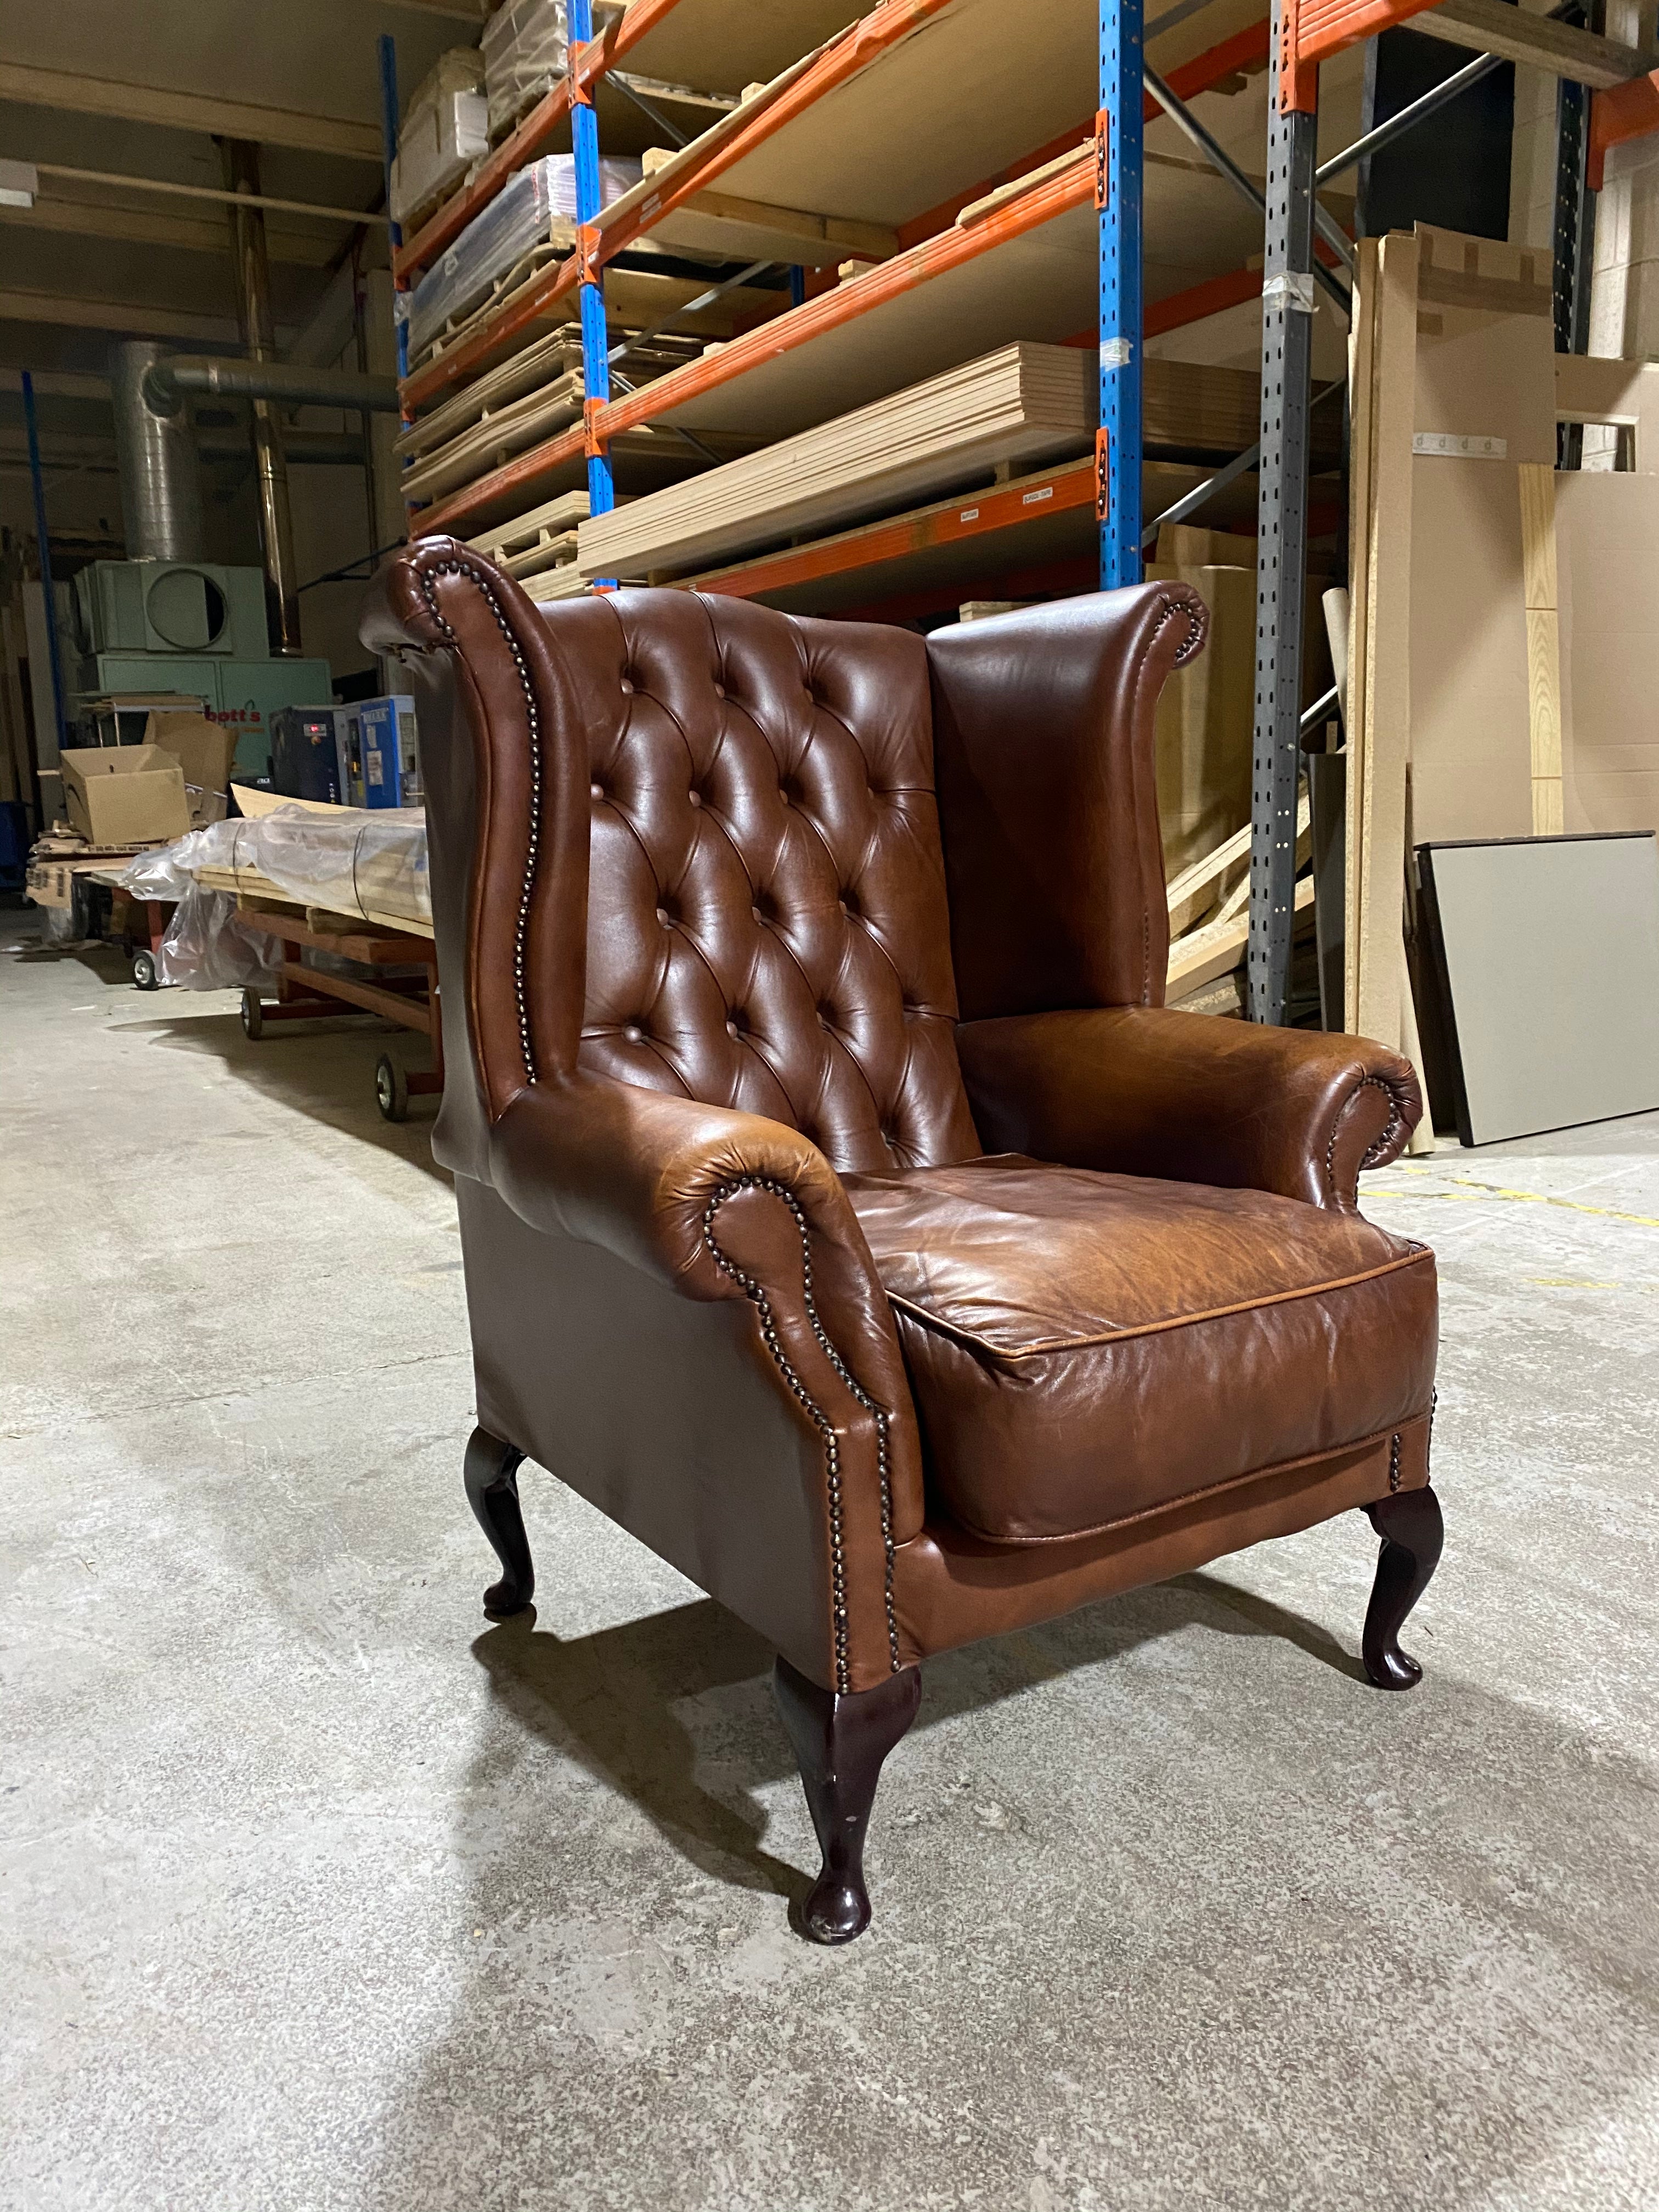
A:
716	1204
1146	1091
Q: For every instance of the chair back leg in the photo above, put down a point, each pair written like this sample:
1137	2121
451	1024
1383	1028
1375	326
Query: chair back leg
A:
491	1474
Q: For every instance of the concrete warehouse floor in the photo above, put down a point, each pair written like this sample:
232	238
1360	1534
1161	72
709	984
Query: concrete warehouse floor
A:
320	1892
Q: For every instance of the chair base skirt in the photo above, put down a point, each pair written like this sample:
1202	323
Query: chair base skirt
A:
952	1589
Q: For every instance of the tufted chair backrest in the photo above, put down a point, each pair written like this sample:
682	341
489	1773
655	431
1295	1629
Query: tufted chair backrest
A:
766	920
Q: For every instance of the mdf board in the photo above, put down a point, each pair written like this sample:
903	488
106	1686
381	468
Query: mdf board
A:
1484	408
1021	403
1546	952
1606	529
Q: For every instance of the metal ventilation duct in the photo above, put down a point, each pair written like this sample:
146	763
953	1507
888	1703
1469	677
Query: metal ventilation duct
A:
161	471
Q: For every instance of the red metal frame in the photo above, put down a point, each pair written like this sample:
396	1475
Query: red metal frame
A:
306	994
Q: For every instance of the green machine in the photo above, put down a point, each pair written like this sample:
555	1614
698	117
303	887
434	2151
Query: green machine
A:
196	627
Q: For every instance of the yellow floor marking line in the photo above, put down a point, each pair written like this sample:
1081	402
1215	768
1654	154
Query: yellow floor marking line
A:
1480	1191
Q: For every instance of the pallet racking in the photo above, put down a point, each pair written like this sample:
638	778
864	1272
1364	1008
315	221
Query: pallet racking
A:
1053	229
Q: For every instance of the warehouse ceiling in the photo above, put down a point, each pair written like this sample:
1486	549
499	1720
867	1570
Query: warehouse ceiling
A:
143	89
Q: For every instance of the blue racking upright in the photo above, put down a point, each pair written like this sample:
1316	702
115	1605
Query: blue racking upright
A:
596	358
1118	164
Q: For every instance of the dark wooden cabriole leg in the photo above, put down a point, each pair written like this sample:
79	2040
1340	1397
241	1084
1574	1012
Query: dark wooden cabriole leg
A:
492	1492
840	1743
1410	1527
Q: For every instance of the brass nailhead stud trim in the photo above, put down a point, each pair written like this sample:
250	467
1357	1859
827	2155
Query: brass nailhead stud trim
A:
826	1428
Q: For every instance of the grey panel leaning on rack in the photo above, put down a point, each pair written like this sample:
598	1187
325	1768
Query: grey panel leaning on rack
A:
1543	956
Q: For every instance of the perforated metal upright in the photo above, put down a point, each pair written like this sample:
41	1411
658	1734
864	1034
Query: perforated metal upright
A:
1118	205
1287	312
596	365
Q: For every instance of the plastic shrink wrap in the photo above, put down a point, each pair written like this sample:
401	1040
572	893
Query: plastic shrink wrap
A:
364	864
518	219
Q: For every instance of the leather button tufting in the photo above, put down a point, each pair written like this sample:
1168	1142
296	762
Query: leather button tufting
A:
757	913
596	791
626	685
663	916
696	798
720	690
634	1035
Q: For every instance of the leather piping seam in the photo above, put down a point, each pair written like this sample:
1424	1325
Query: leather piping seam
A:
1198	627
1380	1148
1050	1345
1171	1505
521	929
755	1292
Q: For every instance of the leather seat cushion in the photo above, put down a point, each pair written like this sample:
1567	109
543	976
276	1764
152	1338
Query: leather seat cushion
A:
1084	1348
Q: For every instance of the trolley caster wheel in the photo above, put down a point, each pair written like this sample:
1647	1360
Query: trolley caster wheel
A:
144	977
253	1015
391	1089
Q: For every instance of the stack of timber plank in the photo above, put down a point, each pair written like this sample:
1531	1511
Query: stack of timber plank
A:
1021	404
537	544
526	397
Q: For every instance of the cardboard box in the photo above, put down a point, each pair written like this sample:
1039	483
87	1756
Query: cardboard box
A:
124	794
51	882
204	750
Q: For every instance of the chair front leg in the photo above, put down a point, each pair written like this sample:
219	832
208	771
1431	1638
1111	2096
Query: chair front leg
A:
1410	1527
491	1474
840	1743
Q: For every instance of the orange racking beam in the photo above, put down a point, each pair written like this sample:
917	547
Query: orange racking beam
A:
1174	312
1072	186
1625	112
516	152
1314	30
947	523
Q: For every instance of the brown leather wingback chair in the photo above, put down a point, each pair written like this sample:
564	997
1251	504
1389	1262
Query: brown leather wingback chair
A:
843	1211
